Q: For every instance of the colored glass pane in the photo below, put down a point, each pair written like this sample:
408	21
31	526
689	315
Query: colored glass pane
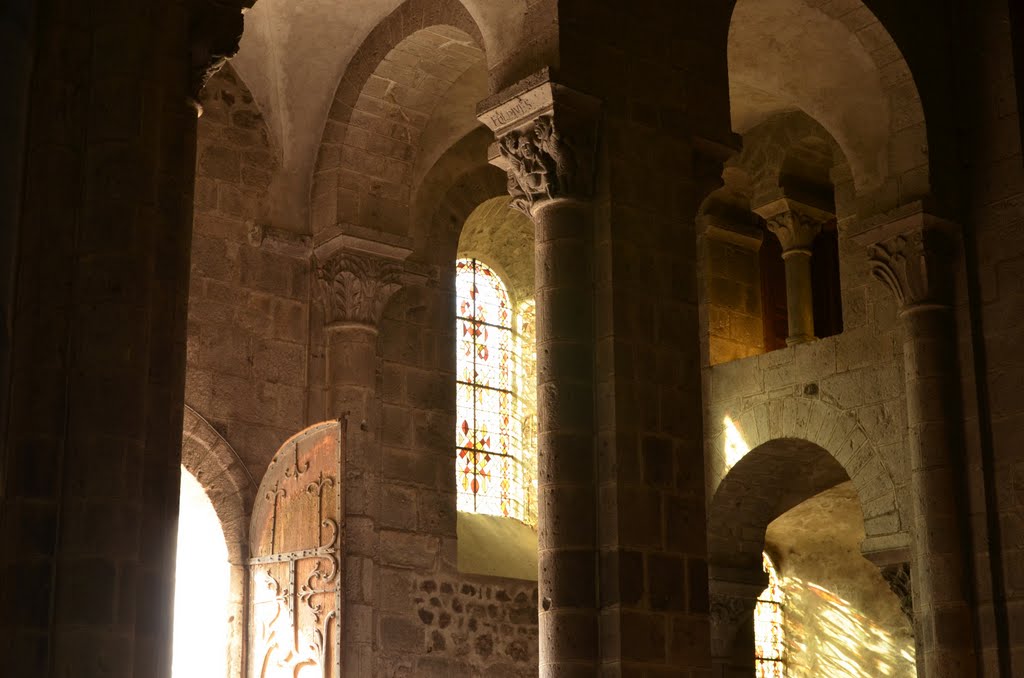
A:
769	642
495	451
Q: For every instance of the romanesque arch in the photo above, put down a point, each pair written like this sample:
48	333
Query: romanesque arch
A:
365	167
762	462
830	430
852	79
215	464
768	147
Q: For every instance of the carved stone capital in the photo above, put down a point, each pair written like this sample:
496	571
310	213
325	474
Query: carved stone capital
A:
547	136
354	287
795	224
215	29
897	576
916	266
727	611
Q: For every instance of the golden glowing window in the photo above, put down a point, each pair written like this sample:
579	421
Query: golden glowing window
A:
769	641
495	429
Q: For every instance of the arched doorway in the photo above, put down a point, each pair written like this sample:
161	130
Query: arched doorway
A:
295	572
791	499
202	587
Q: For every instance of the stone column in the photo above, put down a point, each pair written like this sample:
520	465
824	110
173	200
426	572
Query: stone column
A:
546	138
913	257
90	464
355	282
356	278
796	225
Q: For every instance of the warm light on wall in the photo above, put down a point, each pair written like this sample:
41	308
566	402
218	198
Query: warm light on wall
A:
202	585
734	447
827	636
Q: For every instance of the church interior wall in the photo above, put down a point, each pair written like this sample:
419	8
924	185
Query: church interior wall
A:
376	147
249	287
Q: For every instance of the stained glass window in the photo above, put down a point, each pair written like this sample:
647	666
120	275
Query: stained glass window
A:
769	642
495	435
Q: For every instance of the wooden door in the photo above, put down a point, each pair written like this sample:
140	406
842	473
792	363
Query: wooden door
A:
295	578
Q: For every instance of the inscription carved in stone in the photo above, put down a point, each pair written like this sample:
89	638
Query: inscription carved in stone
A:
355	287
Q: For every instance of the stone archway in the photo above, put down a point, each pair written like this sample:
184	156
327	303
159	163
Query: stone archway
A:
764	461
375	135
834	430
215	464
770	479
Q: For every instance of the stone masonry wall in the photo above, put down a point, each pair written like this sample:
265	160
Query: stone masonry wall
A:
994	247
856	375
735	328
248	302
421	630
463	625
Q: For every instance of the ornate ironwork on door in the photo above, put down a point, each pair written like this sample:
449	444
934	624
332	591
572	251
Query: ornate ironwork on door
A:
295	578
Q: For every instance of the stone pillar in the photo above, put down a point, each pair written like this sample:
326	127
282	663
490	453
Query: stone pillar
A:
623	550
17	28
355	283
546	139
796	225
92	444
355	279
913	257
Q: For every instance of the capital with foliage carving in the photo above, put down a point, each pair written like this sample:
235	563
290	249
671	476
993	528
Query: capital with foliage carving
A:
897	576
916	267
547	136
727	611
354	287
795	224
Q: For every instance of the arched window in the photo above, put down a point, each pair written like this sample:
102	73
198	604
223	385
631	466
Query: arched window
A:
769	642
202	587
495	436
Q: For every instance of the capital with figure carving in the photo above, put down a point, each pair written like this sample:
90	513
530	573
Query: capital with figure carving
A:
546	137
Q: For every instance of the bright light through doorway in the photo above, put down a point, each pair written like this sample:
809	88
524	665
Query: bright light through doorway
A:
202	582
